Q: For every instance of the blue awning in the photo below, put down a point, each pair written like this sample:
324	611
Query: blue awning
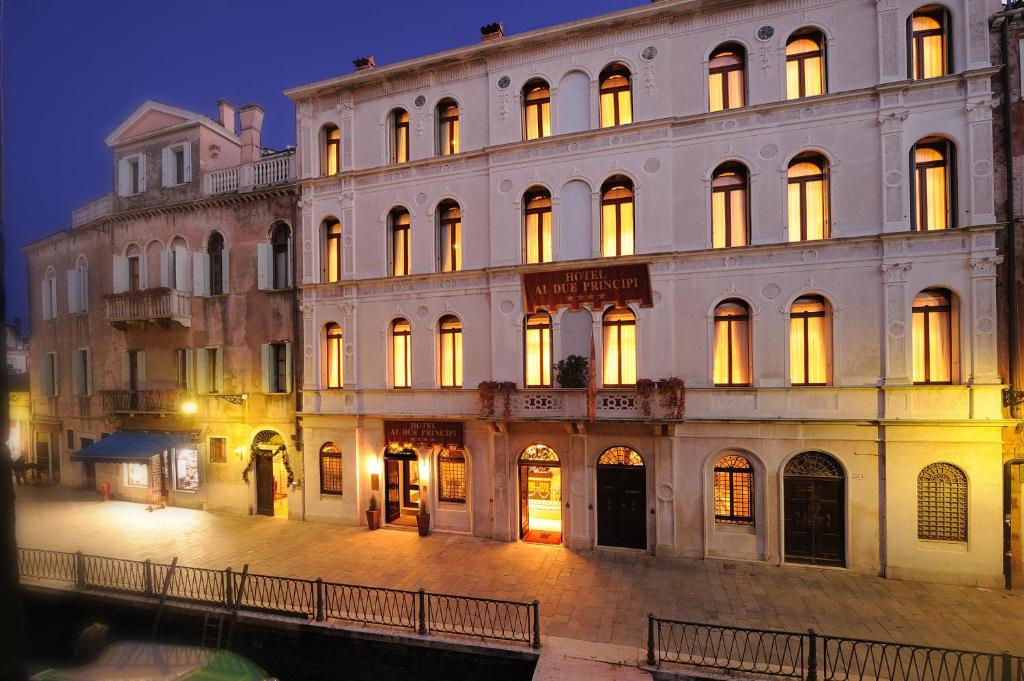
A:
128	445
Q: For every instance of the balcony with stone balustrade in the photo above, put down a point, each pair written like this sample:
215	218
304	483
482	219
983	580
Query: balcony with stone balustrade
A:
162	306
269	171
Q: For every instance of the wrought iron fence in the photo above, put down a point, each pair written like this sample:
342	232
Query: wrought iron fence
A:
419	611
814	657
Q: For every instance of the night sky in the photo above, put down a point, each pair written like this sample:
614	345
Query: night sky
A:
75	69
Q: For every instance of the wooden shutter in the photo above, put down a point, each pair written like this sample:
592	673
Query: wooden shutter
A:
140	360
167	166
142	172
126	370
180	268
124	177
55	373
120	268
45	295
203	371
219	370
165	269
190	374
76	373
200	273
264	273
186	149
225	277
288	367
74	292
266	359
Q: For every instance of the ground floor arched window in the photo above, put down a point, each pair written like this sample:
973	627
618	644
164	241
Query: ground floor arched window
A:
451	476
734	490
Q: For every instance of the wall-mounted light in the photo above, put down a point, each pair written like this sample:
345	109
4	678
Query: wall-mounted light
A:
424	470
373	468
189	407
240	451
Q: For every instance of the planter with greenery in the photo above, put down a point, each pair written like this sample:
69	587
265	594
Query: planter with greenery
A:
644	392
492	393
572	372
672	391
373	513
423	518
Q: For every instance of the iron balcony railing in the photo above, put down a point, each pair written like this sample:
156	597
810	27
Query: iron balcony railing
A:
813	657
154	401
419	611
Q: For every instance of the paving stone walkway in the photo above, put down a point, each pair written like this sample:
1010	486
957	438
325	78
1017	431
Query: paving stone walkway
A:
595	596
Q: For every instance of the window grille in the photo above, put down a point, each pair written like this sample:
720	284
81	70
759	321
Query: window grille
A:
330	469
620	456
734	491
813	465
451	474
218	450
942	503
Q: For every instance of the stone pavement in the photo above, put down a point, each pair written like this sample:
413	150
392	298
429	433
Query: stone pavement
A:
593	596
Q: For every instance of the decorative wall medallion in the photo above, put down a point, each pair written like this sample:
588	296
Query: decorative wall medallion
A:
768	150
896	329
657	297
350	349
731	261
422	311
395	177
651	166
982	167
765	33
421	198
893	178
308	351
534	153
574	147
771	291
447	283
420	101
506	306
806	112
665	492
616	140
729	125
504	82
348	240
505	187
397	288
306	247
985	325
810	255
649	53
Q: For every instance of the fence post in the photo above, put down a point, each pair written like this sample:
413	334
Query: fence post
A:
79	570
422	597
1007	666
650	639
319	599
147	570
536	624
812	656
229	587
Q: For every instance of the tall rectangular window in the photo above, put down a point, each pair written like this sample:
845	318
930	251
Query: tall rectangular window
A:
134	272
536	110
135	170
537	226
400	233
537	350
335	364
808	341
808	199
451	476
805	65
450	247
617	220
619	348
448	128
933	336
399	136
734	491
731	362
928	51
278	367
179	165
401	353
451	352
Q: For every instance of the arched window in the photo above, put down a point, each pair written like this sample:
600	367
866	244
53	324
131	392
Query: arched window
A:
399	227
942	503
177	264
331	261
617	217
809	341
330	469
449	230
447	127
732	344
729	206
451	476
536	110
49	293
280	242
805	64
537	225
929	56
808	199
934	350
450	345
82	274
401	353
398	123
335	362
134	255
734	490
616	96
537	350
217	271
619	347
330	159
933	189
726	77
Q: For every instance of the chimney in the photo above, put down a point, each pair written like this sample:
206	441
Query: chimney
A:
250	120
492	31
226	115
364	63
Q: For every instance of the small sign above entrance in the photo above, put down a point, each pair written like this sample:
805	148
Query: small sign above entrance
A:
445	433
594	287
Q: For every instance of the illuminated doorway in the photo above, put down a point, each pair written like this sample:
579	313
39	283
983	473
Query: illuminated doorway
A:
540	495
402	480
272	473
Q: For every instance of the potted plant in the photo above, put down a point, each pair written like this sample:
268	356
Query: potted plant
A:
644	391
373	513
423	518
572	372
672	391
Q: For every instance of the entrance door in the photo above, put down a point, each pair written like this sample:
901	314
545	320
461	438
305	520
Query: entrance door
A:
621	499
814	510
393	503
265	485
90	477
540	495
524	501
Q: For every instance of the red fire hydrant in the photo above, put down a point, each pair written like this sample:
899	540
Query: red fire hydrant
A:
105	491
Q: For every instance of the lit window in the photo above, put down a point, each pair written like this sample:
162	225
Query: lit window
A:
332	250
725	78
399	124
280	246
808	198
278	369
732	344
331	161
809	341
450	237
330	469
805	65
186	470
335	366
134	254
400	226
942	503
616	96
448	128
451	352
932	184
136	474
537	350
619	348
933	336
729	206
215	252
929	54
537	225
536	110
734	491
451	476
401	353
218	450
617	217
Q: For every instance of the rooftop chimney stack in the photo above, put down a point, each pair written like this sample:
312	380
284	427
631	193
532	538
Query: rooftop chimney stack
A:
250	120
226	115
364	63
492	31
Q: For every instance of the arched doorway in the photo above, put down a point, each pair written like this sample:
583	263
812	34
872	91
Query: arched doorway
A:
814	510
540	495
621	499
402	479
268	455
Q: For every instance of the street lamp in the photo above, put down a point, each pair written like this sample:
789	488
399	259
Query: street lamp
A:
189	407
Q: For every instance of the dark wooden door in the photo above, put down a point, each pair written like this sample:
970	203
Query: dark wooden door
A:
393	502
621	506
90	477
265	485
524	501
815	521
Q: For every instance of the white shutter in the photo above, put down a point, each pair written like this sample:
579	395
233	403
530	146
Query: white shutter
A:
264	273
219	370
187	150
288	367
88	371
83	284
142	172
225	276
124	177
289	268
48	375
200	273
165	269
53	297
74	292
47	312
266	357
180	268
202	370
167	166
120	267
76	373
56	373
126	370
190	377
140	360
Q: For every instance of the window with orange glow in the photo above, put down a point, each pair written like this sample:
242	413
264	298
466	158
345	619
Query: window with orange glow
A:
809	341
616	96
729	219
805	65
451	352
536	110
335	364
332	250
808	199
331	161
932	185
330	469
537	350
617	217
619	348
731	362
929	52
401	353
399	136
400	235
448	128
933	336
734	490
537	225
726	75
450	237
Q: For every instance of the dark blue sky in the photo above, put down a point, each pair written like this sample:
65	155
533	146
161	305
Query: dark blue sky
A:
74	69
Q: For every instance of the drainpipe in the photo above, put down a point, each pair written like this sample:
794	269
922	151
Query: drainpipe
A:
1007	521
298	355
1013	397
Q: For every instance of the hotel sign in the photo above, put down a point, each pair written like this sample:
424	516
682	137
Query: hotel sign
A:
593	287
446	433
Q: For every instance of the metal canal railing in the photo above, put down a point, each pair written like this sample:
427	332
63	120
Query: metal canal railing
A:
420	611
